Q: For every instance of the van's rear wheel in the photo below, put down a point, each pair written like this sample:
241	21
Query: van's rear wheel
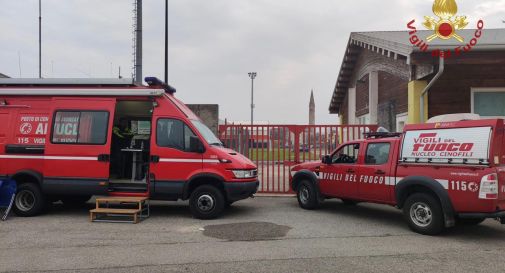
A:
206	202
424	214
29	200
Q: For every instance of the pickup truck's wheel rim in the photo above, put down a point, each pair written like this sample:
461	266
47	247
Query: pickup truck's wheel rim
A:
25	200
205	203
304	195
421	214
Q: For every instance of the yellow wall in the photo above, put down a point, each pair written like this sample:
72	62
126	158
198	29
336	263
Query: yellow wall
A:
415	88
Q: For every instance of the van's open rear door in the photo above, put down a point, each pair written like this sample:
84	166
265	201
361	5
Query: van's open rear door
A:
78	144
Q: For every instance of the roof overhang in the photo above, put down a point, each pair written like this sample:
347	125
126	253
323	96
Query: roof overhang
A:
356	43
396	44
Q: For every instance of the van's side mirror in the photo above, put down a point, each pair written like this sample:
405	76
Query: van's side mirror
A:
196	145
326	159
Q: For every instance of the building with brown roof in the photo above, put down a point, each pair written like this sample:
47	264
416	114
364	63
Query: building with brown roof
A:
383	75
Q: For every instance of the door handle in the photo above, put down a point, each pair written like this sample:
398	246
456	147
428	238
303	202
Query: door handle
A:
380	172
350	170
104	158
155	158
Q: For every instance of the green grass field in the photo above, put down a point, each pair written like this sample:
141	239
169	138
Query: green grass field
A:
282	154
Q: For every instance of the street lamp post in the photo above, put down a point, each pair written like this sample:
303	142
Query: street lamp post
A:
252	75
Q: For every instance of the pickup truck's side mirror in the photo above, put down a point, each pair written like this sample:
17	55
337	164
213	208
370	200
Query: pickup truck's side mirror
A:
326	159
196	145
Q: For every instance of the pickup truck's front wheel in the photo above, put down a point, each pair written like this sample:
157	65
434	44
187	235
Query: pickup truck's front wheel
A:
308	196
424	214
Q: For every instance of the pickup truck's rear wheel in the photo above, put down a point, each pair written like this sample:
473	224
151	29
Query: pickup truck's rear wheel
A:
424	214
308	196
206	202
29	200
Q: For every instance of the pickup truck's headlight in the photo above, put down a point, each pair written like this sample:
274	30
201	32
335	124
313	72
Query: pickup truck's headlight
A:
245	173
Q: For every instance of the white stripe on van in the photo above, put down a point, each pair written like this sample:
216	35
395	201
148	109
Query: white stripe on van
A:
94	158
85	158
211	161
183	160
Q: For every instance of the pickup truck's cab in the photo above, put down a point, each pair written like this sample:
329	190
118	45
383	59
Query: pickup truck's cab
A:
439	174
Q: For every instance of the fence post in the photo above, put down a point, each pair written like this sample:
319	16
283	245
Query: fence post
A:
297	144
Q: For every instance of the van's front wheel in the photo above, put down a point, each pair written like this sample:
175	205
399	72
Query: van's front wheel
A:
206	202
29	200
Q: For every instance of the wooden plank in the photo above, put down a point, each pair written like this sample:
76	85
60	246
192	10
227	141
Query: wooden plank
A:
121	199
115	211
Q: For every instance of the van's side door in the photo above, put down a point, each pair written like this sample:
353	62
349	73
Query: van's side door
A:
376	176
172	162
77	152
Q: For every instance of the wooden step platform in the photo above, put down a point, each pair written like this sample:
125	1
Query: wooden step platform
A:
108	209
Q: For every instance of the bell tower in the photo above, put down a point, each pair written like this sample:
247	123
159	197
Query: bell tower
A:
312	109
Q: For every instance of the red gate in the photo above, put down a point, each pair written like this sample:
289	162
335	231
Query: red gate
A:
275	148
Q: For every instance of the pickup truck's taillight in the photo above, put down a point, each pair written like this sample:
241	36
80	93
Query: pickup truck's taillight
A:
489	187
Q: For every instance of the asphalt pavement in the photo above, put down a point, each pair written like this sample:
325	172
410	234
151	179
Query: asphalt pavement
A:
264	234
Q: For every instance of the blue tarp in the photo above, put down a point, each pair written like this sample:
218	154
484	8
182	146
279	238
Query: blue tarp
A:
7	192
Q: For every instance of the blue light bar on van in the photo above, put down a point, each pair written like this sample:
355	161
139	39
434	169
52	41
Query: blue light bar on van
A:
155	82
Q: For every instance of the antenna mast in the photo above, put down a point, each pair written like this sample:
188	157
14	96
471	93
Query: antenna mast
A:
137	42
40	38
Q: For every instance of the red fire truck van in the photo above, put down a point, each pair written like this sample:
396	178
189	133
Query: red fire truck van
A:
439	174
71	139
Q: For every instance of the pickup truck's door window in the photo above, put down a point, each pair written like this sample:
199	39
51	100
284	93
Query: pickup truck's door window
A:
347	155
339	177
374	174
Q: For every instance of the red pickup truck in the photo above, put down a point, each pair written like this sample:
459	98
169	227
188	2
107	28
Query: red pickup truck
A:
439	174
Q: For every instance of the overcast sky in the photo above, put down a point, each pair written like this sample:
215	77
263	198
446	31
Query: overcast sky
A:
295	46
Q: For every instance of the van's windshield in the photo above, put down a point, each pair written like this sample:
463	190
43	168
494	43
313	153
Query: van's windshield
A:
207	134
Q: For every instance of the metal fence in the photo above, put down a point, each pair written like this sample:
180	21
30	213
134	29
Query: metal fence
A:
275	148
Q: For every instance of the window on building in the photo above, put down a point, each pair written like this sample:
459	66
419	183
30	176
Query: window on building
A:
173	133
365	119
401	121
80	127
489	102
377	153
